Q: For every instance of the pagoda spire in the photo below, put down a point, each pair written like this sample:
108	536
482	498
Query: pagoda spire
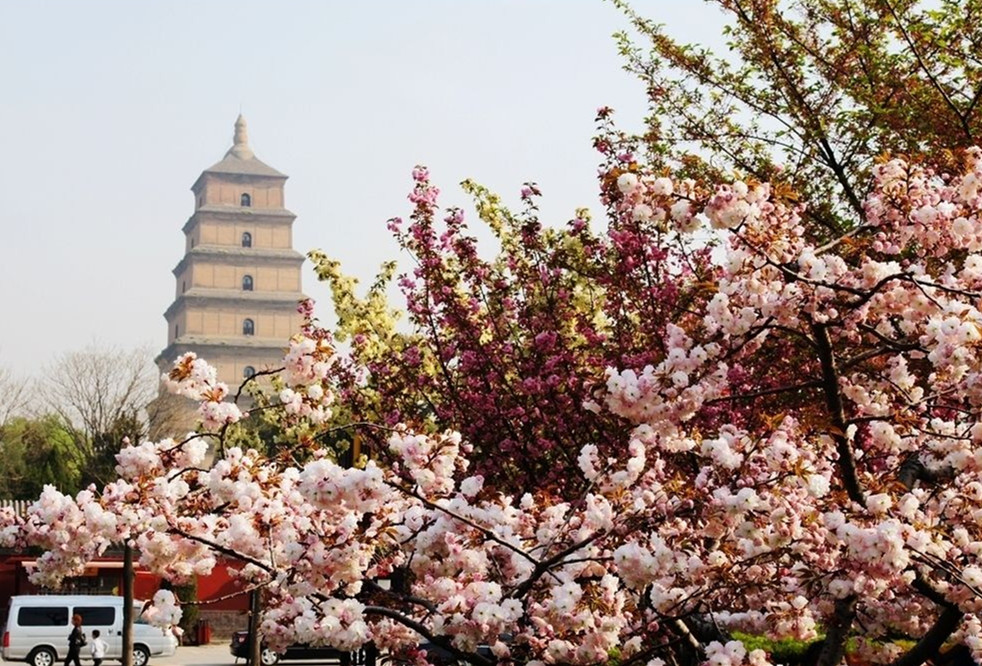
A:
240	141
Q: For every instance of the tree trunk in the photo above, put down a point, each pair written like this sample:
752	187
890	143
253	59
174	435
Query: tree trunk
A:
834	645
127	656
255	640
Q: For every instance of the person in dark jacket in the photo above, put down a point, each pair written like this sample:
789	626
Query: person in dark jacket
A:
76	640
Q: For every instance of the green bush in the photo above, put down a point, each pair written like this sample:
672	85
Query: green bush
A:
784	651
189	616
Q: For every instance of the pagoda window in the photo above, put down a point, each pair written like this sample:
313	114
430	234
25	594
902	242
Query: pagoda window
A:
245	200
246	283
246	239
248	327
248	372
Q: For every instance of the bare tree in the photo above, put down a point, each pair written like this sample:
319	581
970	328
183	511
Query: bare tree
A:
101	393
15	396
95	387
170	415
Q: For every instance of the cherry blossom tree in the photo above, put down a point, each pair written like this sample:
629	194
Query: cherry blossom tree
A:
800	458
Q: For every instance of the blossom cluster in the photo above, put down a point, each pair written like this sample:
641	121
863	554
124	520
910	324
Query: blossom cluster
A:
193	378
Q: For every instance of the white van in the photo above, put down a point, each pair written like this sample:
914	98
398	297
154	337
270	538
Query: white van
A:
38	627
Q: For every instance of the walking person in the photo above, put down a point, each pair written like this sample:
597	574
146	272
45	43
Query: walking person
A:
98	648
76	640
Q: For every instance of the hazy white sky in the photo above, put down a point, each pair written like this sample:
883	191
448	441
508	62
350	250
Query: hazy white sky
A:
110	110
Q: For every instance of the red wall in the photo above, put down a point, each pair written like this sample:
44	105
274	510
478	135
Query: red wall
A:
218	585
221	590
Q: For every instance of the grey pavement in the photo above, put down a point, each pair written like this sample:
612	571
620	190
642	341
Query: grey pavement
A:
213	654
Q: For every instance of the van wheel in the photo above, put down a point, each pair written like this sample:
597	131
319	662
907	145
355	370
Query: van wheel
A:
269	657
141	655
41	657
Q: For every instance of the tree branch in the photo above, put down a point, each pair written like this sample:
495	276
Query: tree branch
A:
931	642
833	402
837	631
440	641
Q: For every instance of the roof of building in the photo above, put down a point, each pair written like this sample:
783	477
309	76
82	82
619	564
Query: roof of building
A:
240	159
237	255
211	299
202	345
248	211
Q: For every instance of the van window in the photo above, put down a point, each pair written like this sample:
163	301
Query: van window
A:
43	616
97	616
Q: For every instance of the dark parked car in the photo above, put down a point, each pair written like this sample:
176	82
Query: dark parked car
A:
239	648
437	656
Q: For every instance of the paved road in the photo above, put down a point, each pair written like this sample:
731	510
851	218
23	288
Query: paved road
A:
216	654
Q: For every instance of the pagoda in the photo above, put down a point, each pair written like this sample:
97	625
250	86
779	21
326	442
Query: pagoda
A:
238	284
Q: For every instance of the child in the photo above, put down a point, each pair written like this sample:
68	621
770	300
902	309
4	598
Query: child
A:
98	648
